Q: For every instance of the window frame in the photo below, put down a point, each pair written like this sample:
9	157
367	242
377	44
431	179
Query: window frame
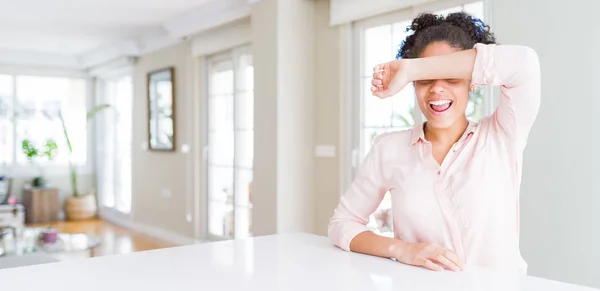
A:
231	54
24	171
101	83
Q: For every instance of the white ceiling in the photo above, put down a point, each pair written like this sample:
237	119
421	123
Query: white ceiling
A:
76	27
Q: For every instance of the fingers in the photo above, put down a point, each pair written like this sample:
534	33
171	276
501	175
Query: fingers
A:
452	256
382	94
432	266
377	86
379	91
378	68
438	258
447	263
377	82
378	75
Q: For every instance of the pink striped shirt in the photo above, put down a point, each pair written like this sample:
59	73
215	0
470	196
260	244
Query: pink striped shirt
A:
469	203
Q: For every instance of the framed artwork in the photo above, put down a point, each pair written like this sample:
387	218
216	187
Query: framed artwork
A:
161	110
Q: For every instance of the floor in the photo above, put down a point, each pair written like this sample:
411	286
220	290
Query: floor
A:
115	240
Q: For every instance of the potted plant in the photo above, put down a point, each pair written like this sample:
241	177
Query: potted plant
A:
79	205
31	151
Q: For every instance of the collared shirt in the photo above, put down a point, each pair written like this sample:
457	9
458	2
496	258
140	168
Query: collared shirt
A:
470	202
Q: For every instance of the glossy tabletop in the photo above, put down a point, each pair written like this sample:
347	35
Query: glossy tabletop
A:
278	262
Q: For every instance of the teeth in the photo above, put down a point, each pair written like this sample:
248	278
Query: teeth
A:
439	102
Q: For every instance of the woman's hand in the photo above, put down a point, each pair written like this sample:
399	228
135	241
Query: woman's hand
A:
431	256
390	78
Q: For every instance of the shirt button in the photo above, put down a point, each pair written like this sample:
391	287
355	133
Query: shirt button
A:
439	172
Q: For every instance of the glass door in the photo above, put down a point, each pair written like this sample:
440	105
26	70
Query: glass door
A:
115	130
230	144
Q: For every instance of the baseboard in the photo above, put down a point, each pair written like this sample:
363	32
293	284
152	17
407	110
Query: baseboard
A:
156	232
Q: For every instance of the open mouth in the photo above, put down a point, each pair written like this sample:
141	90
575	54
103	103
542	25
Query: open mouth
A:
440	106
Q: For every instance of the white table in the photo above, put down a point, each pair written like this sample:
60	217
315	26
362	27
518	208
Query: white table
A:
281	262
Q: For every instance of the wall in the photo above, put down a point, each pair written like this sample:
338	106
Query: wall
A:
320	47
283	52
264	187
295	116
344	11
329	104
155	172
227	36
560	202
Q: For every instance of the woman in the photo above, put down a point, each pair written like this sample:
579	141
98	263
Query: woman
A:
454	184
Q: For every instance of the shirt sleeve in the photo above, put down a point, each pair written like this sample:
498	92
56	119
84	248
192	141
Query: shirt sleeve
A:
360	200
516	70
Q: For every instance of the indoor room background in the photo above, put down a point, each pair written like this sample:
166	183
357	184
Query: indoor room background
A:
269	112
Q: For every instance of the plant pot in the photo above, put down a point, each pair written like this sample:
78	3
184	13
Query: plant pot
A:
49	236
81	207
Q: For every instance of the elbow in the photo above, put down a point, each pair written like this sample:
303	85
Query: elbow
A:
341	231
530	60
525	65
333	231
530	53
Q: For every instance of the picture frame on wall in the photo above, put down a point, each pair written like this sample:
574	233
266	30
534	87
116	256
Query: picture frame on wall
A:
161	110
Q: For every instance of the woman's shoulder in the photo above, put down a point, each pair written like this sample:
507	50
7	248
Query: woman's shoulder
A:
395	138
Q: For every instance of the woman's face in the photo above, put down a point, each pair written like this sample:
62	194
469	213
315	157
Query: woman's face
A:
443	102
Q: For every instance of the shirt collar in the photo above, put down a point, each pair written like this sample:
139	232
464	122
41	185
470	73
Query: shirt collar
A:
418	132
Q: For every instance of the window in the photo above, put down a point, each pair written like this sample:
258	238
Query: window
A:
115	129
378	41
6	124
30	108
230	144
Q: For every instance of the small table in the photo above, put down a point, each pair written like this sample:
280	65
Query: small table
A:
28	242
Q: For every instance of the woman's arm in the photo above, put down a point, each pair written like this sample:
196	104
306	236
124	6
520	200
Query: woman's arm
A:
458	65
391	77
347	228
360	200
428	255
372	244
515	68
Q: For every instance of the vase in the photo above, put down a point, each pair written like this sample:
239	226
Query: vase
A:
49	236
81	207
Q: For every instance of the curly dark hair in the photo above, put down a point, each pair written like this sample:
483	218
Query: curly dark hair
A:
460	30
